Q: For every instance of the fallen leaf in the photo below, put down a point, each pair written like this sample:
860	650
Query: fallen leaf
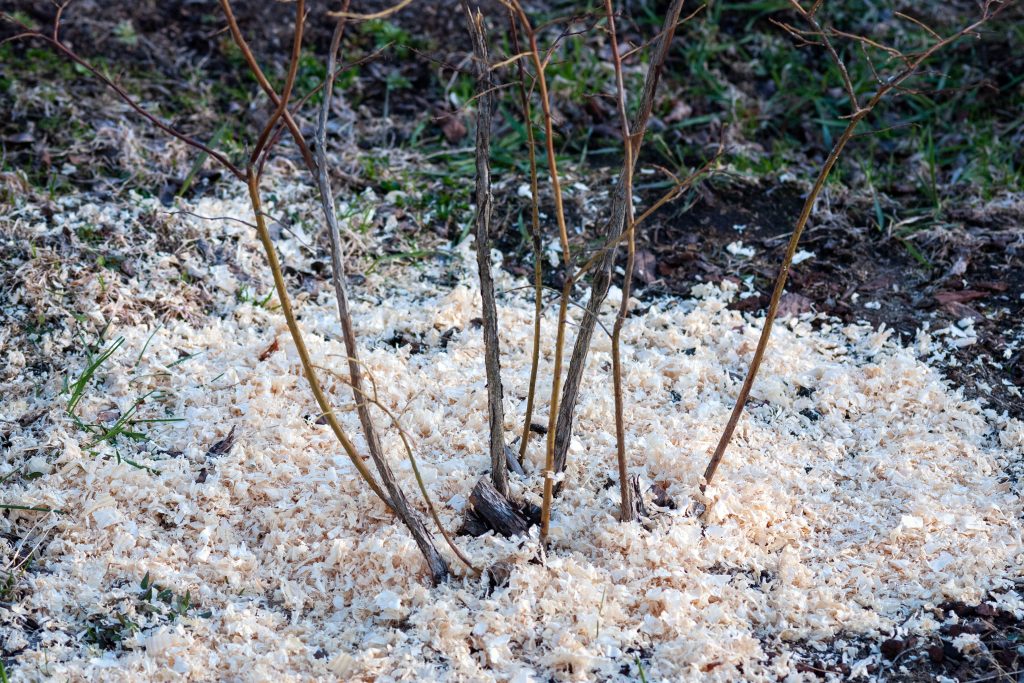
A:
453	128
661	497
267	352
108	415
792	304
892	647
961	311
645	266
28	418
680	112
224	445
962	296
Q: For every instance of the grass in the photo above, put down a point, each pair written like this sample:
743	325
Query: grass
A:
788	102
791	105
76	389
155	604
127	425
640	670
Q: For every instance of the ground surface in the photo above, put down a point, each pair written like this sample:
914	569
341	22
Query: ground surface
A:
910	287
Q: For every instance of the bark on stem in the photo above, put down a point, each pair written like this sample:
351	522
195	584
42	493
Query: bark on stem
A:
627	511
562	434
400	504
338	275
484	208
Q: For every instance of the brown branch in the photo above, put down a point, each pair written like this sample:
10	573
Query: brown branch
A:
344	14
561	435
919	23
484	209
657	36
436	563
538	279
281	126
56	19
677	189
289	82
810	18
257	72
627	511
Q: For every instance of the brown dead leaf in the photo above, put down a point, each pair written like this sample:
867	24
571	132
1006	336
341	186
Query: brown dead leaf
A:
108	415
962	296
661	498
792	304
269	351
224	445
453	128
680	112
645	266
29	418
961	311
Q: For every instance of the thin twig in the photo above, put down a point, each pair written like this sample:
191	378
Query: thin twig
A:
344	14
289	82
538	275
627	511
257	72
809	17
780	283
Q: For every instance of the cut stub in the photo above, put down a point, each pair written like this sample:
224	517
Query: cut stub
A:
490	511
498	575
512	461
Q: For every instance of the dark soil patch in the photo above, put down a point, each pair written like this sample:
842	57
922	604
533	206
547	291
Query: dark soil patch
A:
859	273
995	655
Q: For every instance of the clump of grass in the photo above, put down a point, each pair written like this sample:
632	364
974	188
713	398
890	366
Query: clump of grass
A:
76	389
127	425
154	605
